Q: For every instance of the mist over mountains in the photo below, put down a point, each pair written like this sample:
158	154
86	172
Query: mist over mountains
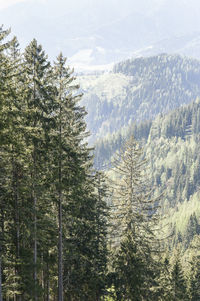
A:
95	33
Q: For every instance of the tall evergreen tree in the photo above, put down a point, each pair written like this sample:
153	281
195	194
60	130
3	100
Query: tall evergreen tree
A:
194	279
164	290
81	243
5	140
70	154
179	288
194	271
37	99
134	221
101	228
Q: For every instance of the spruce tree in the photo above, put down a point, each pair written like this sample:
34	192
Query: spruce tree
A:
178	287
194	271
81	227
69	153
133	221
194	279
164	289
16	159
5	141
100	248
37	98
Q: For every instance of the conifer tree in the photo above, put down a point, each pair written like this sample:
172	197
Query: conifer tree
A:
194	271
81	239
131	197
194	279
179	288
101	228
69	154
37	98
60	74
15	151
164	290
134	221
5	140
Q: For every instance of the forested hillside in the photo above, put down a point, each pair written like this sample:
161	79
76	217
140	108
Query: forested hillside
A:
138	90
171	147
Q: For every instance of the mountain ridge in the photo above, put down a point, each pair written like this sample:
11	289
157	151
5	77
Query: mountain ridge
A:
137	90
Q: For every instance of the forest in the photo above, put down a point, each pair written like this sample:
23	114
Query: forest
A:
138	90
71	229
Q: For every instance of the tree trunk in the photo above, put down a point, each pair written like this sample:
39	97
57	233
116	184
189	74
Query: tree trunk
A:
35	250
34	195
35	231
48	287
1	248
60	259
16	216
0	279
60	246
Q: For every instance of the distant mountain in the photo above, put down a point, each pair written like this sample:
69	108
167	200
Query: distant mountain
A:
103	58
137	90
186	44
103	32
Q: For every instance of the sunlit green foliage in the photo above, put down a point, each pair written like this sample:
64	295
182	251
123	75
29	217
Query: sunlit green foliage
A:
171	147
49	193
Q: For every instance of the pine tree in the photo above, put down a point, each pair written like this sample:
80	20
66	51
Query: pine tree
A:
164	291
131	198
130	269
6	122
194	280
100	243
37	97
194	271
70	156
62	149
179	288
134	221
192	229
14	153
81	227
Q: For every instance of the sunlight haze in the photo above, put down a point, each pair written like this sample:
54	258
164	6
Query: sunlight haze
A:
93	33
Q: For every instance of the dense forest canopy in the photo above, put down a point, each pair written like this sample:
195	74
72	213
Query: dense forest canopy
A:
69	231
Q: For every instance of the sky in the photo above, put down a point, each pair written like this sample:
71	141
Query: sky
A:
100	32
7	3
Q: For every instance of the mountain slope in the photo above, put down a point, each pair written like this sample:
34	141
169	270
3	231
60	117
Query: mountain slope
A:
171	147
137	90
